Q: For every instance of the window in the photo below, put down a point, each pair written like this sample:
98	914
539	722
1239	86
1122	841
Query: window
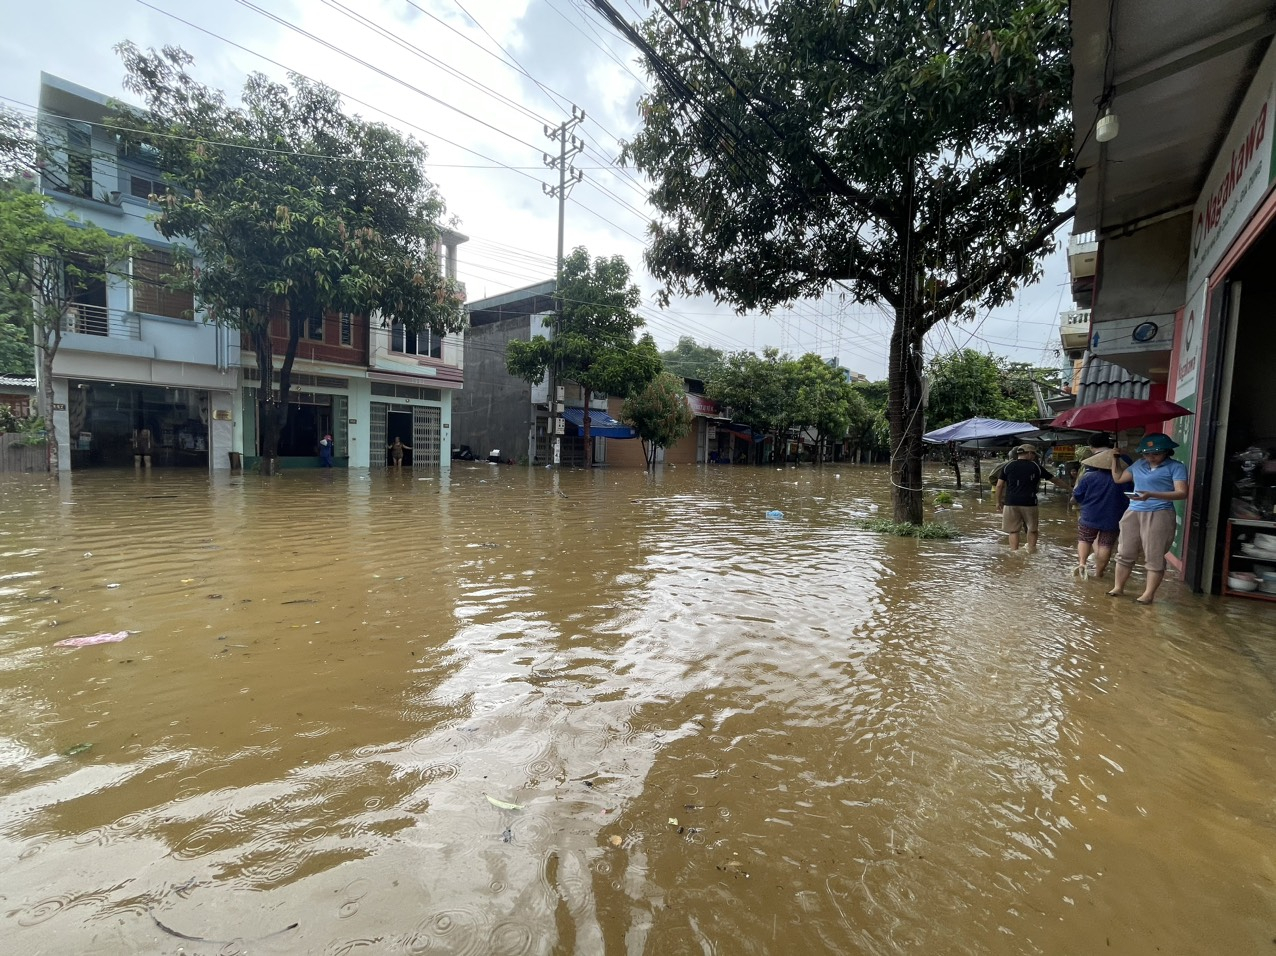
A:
314	328
79	159
347	322
142	187
424	343
152	273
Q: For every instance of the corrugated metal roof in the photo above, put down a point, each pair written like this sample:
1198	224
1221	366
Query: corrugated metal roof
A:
1102	380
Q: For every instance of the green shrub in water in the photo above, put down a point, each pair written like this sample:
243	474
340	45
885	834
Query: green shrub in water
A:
930	530
943	499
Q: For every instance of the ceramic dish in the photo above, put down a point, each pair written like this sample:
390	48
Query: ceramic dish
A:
1241	584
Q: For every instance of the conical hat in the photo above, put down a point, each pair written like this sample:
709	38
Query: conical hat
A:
1102	459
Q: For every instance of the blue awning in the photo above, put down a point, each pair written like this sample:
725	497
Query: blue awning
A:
601	425
743	432
975	428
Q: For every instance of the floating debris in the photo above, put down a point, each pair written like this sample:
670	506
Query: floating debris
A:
502	804
93	639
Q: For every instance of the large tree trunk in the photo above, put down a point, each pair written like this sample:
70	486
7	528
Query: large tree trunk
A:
585	422
907	419
268	423
49	348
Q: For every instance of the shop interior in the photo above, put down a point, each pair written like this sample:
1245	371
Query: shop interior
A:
1247	485
399	423
108	419
1250	481
309	419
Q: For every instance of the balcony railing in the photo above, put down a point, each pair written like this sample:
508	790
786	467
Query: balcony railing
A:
97	320
1074	329
1083	254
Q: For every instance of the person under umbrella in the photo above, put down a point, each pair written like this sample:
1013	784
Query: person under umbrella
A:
1149	525
1103	505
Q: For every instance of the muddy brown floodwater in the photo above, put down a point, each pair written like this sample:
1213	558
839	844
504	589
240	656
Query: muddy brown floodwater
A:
512	711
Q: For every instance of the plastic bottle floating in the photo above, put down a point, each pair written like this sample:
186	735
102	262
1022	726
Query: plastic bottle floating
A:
775	515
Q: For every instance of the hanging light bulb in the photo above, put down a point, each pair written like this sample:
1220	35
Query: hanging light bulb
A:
1106	129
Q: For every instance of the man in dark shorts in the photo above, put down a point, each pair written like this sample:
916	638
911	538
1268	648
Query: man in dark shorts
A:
1017	495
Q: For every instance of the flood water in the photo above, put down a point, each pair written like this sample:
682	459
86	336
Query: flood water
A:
513	711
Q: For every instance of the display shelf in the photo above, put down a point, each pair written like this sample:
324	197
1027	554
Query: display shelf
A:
1245	527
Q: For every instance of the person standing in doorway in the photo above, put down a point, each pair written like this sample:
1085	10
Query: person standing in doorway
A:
397	448
325	452
1151	522
1017	495
143	445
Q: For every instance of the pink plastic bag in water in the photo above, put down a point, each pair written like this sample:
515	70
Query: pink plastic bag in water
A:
95	639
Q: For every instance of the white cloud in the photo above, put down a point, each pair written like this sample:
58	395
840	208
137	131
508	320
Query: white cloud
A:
573	58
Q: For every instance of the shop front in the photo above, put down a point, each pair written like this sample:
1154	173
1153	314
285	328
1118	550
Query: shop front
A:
1225	351
318	405
112	424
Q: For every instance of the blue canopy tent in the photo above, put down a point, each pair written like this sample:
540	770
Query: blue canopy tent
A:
601	425
978	430
975	429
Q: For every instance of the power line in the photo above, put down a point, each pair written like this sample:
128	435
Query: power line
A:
288	24
346	96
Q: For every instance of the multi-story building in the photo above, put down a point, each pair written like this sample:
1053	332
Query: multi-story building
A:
137	356
365	381
499	412
134	355
1175	235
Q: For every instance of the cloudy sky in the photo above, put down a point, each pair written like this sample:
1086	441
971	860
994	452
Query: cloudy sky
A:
478	81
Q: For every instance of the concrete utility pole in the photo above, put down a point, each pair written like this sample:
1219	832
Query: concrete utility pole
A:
569	147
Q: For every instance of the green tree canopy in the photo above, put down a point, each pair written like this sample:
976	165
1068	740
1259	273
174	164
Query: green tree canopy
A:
294	208
659	413
593	329
911	153
688	359
17	357
966	383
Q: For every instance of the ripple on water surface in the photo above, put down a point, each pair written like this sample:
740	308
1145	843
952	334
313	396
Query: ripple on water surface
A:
507	710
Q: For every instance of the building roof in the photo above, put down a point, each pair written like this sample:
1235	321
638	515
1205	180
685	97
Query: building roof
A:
529	300
20	382
1102	380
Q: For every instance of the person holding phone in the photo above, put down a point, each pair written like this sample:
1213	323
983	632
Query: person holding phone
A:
1151	521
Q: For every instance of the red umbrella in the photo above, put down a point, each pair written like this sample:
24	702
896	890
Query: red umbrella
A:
1115	414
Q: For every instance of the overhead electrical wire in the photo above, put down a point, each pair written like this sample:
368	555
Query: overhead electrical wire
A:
288	24
658	316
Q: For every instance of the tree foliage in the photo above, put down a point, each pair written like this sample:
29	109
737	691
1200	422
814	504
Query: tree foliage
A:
783	396
593	328
967	383
294	208
659	413
16	354
913	154
689	359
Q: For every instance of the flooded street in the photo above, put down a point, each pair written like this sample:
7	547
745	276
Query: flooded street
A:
509	711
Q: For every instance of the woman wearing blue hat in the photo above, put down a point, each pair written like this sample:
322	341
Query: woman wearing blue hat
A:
1149	525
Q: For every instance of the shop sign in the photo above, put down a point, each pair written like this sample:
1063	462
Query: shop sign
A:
221	414
1142	333
59	407
1186	371
1239	178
